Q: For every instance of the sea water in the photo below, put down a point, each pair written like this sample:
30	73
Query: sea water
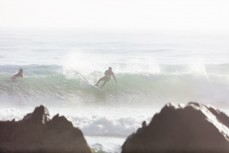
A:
151	69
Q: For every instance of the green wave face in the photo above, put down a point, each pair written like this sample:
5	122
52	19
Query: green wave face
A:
50	84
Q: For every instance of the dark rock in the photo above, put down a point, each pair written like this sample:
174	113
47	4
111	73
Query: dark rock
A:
36	133
194	128
38	116
59	123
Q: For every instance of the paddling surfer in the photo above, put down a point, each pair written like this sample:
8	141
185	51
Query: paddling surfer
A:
108	73
18	75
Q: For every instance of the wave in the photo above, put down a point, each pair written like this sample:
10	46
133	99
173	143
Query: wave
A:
56	84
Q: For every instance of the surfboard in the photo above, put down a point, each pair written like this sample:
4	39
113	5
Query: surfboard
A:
97	88
86	84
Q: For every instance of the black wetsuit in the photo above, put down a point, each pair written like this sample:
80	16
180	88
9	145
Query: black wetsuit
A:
108	74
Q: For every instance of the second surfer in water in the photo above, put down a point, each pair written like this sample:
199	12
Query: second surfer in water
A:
108	73
18	75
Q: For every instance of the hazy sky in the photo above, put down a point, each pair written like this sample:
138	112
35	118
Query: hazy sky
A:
140	15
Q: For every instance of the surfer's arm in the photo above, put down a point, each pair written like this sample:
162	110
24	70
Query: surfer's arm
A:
114	77
16	76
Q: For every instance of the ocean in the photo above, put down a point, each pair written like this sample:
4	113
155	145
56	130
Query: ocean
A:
151	69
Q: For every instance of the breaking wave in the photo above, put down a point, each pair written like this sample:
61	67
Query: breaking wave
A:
55	84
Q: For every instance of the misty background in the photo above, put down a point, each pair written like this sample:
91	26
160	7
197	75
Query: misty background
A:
200	16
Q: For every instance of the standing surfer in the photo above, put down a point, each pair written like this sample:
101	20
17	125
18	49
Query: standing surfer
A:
108	73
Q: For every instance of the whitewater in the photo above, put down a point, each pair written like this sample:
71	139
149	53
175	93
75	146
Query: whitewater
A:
151	70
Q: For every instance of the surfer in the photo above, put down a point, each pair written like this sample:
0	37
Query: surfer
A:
108	73
19	74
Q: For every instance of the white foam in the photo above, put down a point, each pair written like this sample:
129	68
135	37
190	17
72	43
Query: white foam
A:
105	144
105	126
10	114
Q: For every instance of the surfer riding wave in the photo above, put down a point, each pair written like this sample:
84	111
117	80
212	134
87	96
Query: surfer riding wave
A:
108	73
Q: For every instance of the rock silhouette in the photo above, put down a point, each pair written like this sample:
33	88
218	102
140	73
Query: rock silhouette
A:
192	128
36	133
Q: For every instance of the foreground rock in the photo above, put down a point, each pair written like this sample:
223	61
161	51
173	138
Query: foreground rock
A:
193	128
37	133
